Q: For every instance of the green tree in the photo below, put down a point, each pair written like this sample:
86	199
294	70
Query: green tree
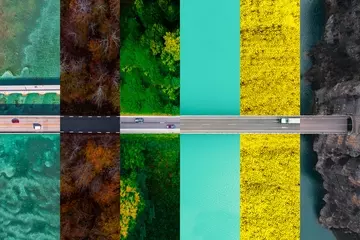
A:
150	57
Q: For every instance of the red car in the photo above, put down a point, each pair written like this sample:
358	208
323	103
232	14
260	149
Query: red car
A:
15	120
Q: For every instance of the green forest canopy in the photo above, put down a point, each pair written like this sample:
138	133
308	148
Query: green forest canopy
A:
150	164
150	57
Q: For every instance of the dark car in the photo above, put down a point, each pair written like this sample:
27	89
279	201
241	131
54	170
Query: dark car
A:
139	120
15	120
170	126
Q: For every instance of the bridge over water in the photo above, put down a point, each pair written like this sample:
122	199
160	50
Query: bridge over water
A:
200	124
26	89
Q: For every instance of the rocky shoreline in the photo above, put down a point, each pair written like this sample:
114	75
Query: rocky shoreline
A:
335	78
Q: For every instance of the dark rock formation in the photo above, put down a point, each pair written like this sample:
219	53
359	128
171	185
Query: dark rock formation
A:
335	75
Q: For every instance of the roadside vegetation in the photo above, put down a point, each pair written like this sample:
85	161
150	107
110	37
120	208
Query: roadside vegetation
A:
150	57
270	85
90	39
150	190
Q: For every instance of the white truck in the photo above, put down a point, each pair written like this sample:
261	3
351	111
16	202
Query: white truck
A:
290	120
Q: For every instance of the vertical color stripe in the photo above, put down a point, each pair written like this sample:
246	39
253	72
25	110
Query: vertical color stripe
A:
209	165
312	191
209	57
209	187
270	57
270	85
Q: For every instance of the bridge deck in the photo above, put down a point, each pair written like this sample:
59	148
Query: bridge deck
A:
184	124
26	89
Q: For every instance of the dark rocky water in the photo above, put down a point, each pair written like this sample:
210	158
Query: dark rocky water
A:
312	191
335	75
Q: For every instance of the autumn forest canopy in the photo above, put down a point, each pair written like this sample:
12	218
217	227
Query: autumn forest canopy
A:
150	57
90	38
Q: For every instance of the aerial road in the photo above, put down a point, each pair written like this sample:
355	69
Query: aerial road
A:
263	124
29	124
120	124
149	124
89	124
329	124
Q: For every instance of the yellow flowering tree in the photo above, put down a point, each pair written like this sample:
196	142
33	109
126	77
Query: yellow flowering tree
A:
171	52
131	204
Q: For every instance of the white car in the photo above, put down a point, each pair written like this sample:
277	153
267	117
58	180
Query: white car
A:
37	126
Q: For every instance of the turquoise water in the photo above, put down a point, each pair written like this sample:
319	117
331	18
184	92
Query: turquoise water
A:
312	21
29	187
210	57
210	164
210	187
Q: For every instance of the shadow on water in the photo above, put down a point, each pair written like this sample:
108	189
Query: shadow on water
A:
29	109
308	163
19	81
308	155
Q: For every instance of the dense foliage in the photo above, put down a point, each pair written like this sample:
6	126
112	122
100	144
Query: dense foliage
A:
270	57
90	187
90	37
270	187
150	57
152	164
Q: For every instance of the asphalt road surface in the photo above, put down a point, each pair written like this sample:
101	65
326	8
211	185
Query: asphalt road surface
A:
49	124
26	89
90	124
151	124
262	124
188	124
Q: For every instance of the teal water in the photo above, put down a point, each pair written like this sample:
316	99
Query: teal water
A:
312	22
42	55
210	79
29	187
37	50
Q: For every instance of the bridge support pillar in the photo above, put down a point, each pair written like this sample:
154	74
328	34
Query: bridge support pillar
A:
355	125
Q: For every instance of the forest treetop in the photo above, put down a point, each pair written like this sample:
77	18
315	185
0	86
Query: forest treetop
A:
150	57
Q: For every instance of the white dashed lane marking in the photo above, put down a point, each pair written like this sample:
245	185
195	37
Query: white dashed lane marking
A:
89	117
